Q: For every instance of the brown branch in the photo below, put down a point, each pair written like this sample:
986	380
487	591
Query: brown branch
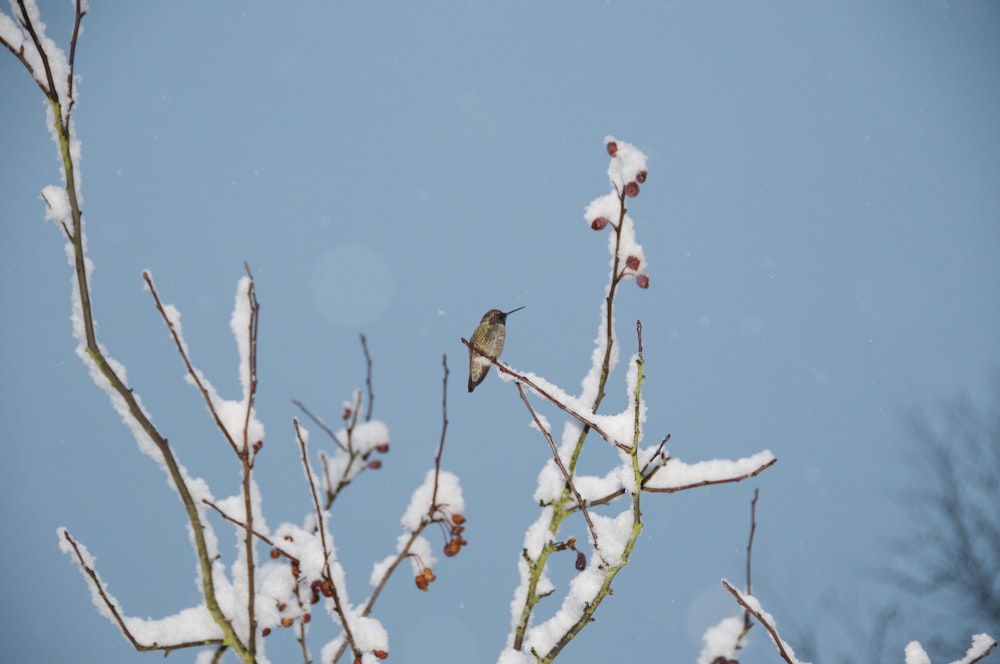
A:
785	655
368	378
320	521
25	21
96	581
581	503
318	422
259	535
187	363
72	54
609	301
985	654
503	368
753	528
695	485
247	455
444	428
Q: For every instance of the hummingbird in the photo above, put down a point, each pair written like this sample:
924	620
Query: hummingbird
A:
488	338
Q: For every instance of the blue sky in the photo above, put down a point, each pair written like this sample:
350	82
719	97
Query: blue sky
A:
821	220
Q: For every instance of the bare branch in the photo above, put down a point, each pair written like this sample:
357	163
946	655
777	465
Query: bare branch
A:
786	655
320	524
368	378
694	485
555	457
322	425
583	419
99	587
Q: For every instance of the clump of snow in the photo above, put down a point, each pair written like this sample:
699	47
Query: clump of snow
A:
366	435
915	654
511	656
538	535
592	487
550	483
306	545
720	640
369	635
627	245
613	535
191	624
607	206
57	205
677	474
626	163
449	496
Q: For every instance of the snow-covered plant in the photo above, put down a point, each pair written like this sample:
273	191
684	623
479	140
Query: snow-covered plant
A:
610	505
242	603
280	574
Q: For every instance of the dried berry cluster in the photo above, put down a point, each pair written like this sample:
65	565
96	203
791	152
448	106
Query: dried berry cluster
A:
451	548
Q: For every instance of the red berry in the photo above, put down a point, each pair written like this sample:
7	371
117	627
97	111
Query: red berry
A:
287	622
599	223
307	617
265	631
631	190
581	561
457	519
642	281
421	583
275	553
380	654
374	464
632	262
640	177
382	448
612	148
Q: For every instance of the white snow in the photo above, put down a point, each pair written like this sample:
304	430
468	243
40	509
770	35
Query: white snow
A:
626	164
449	495
915	654
191	624
720	640
677	474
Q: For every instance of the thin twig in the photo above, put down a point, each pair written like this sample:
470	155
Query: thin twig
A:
247	455
320	521
259	535
187	363
25	20
318	422
368	378
80	13
503	368
555	456
779	644
96	582
695	485
753	528
444	428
